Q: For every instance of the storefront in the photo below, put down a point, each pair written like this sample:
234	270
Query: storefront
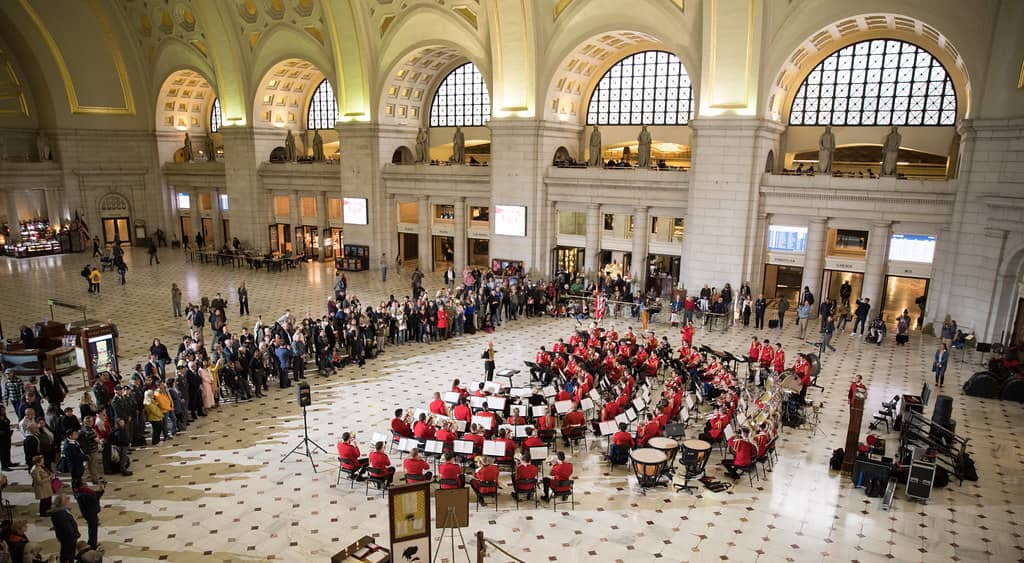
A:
908	276
334	241
307	241
664	265
280	238
568	259
35	239
784	269
443	250
845	260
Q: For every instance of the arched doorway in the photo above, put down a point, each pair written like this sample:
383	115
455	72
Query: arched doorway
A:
403	155
115	215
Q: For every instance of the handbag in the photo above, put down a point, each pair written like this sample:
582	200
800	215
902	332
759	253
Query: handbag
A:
56	484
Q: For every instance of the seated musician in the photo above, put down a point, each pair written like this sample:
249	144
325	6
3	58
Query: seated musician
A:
351	459
743	454
400	426
547	424
458	388
486	471
803	371
381	462
416	467
610	410
779	359
611	335
557	364
564	394
533	441
437	406
651	366
715	427
423	429
450	473
476	436
561	471
649	430
485	412
543	359
573	423
623	438
558	347
755	349
761	440
446	435
480	390
505	437
525	471
767	354
462	411
516	419
687	333
630	336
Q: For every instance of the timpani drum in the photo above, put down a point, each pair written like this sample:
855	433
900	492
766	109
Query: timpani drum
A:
668	446
698	451
790	381
648	465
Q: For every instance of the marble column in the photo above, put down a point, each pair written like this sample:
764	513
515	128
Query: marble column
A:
241	182
756	279
323	223
460	235
12	218
217	236
424	250
53	207
294	218
592	247
814	258
641	228
874	269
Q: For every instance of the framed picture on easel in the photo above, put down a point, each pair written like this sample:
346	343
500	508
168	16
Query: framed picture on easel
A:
409	518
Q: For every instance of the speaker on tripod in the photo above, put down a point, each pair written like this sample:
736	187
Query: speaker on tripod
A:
305	398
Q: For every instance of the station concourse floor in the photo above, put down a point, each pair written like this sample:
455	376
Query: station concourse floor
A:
220	492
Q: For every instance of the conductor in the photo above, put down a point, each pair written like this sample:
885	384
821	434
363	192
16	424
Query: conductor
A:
488	358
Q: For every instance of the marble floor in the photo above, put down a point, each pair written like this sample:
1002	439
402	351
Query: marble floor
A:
220	492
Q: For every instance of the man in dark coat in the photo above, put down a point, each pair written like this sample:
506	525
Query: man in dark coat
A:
195	393
53	388
89	504
65	527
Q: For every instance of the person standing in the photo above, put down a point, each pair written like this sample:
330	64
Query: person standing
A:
803	318
122	268
243	300
759	308
782	307
488	358
89	505
176	300
53	388
828	331
95	277
861	314
65	527
383	267
42	485
940	363
120	441
152	252
5	441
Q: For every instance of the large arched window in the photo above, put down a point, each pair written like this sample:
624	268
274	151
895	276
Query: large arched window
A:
648	88
216	117
323	108
461	99
876	82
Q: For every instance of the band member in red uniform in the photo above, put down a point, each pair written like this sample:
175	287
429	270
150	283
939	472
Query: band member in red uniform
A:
487	472
423	430
476	436
505	437
622	438
803	371
687	334
558	347
779	360
767	354
715	427
450	473
381	462
458	388
525	471
416	467
462	411
610	411
486	413
547	424
446	435
743	454
437	406
855	385
574	421
649	430
533	441
755	349
561	471
348	451
516	419
400	426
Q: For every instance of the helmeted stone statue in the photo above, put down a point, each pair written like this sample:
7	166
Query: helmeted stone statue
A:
459	146
422	145
188	148
890	152
595	147
211	149
643	153
43	147
289	147
318	146
826	150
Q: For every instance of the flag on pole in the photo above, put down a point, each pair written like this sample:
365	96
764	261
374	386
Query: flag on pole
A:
83	229
599	305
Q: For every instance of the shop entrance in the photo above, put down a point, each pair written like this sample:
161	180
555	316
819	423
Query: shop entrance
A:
568	259
832	283
115	230
663	273
186	228
333	243
479	252
408	246
782	281
280	238
615	264
208	232
226	228
307	241
903	293
443	249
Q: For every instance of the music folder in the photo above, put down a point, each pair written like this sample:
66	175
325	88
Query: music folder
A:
539	411
729	432
496	403
477	402
434	447
484	422
538	453
460	425
380	437
607	428
631	414
621	418
639	404
463	446
451	397
522	431
494	448
406	444
562	407
549	391
587	404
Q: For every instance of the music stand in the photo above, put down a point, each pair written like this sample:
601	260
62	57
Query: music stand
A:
983	348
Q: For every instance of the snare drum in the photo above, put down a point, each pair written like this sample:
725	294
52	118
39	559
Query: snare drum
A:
648	465
669	446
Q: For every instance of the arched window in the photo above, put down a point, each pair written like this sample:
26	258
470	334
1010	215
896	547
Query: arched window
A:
461	99
648	88
876	82
323	108
216	117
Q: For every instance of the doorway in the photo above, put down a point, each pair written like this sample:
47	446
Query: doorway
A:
902	293
782	281
208	231
186	228
334	242
615	264
568	259
225	225
443	252
280	238
408	246
307	241
115	230
479	252
832	283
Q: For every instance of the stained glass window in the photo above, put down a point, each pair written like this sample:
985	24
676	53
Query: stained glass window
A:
648	88
461	99
876	82
323	108
216	117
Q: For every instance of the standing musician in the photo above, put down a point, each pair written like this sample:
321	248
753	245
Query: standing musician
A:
488	358
755	349
803	371
767	354
543	359
779	360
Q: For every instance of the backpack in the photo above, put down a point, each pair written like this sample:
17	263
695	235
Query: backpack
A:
836	462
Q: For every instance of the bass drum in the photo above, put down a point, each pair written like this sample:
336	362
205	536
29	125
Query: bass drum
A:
983	384
1013	389
789	381
815	364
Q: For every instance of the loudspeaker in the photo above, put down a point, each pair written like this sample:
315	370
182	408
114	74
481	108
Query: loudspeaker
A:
984	347
943	410
303	395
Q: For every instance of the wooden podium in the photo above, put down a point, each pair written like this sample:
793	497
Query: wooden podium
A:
853	430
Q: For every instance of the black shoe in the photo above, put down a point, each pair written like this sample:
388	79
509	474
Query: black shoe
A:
545	498
126	473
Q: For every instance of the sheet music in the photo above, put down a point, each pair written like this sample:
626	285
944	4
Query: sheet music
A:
434	447
539	453
494	448
484	422
380	437
440	420
549	391
522	431
586	404
508	427
460	425
496	403
741	418
689	402
562	407
463	447
477	402
639	404
607	428
700	396
451	397
521	392
539	411
406	444
492	387
729	433
621	418
594	395
631	414
685	414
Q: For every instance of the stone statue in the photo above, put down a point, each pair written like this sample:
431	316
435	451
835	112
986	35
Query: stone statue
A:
643	153
826	149
318	146
289	147
422	145
188	148
459	146
595	147
890	151
953	161
211	149
43	147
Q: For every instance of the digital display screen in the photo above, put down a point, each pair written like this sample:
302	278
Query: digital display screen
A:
101	348
510	220
912	248
355	210
787	239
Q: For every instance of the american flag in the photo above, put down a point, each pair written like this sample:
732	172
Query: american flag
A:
83	229
599	305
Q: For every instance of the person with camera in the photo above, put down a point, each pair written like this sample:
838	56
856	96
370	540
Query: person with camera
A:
89	505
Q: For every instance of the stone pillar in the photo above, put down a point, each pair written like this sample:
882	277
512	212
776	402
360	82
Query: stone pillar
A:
323	223
814	259
592	247
53	207
424	251
217	236
874	269
241	182
12	218
641	228
756	275
460	235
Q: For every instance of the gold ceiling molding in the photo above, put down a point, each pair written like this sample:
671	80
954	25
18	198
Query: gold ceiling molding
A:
1020	81
561	6
12	97
69	85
